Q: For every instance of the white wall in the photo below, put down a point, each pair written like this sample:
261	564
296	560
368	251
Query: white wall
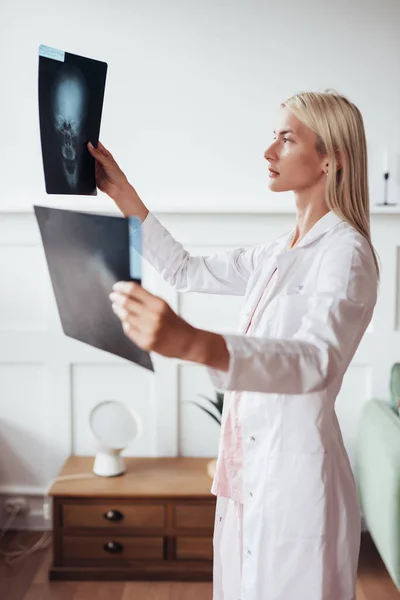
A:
191	97
193	87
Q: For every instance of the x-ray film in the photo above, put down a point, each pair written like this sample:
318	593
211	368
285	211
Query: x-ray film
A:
86	254
71	93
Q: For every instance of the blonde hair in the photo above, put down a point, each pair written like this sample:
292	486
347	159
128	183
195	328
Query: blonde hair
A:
339	127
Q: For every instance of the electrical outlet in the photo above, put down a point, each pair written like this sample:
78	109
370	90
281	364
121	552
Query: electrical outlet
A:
17	505
46	510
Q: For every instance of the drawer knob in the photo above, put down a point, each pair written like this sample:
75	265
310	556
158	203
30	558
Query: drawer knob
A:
113	515
113	547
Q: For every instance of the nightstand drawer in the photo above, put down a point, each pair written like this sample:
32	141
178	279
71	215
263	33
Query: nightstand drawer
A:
112	548
115	515
194	548
194	516
154	523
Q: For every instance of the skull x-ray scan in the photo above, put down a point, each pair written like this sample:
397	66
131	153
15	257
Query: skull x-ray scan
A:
71	93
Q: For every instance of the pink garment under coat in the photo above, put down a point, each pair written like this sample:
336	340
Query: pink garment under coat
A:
227	486
228	474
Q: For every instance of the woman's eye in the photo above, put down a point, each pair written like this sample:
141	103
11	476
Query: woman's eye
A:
286	140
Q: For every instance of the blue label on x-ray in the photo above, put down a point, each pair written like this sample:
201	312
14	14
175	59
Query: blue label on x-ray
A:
53	53
135	247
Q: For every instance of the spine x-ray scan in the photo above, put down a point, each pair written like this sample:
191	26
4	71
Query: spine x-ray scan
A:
71	93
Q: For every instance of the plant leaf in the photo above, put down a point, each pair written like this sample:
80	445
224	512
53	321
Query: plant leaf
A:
215	403
205	410
220	401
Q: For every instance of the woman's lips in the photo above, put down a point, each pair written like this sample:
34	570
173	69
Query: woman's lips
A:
273	173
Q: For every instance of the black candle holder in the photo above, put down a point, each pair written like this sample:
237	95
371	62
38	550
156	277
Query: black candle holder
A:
385	192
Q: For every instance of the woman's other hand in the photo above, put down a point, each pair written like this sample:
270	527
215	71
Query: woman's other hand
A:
152	325
150	322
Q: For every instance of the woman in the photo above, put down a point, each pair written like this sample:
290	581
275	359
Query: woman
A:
287	523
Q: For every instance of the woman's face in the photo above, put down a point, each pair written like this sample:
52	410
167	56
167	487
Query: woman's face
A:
293	156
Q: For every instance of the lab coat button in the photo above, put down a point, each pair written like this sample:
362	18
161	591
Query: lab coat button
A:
249	552
251	494
252	438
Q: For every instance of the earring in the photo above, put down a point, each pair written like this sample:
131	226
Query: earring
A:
326	172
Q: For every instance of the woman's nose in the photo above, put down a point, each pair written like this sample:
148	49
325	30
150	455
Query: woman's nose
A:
268	154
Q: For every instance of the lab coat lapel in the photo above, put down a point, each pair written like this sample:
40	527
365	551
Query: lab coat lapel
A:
325	223
321	227
265	274
285	261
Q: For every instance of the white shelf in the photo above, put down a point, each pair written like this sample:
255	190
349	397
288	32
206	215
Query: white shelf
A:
103	204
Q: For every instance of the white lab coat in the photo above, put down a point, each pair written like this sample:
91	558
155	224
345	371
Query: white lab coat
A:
301	517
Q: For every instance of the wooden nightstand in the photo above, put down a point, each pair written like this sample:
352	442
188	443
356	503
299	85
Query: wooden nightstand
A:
153	523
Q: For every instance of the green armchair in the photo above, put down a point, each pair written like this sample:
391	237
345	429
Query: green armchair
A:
377	473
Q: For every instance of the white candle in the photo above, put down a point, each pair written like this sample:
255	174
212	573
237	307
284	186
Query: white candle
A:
385	162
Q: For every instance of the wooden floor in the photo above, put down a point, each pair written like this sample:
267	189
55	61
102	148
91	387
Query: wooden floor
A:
28	580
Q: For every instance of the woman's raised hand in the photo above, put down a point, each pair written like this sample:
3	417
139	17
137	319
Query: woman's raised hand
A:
112	181
110	178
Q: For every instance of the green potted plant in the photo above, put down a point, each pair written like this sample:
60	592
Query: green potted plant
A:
215	414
